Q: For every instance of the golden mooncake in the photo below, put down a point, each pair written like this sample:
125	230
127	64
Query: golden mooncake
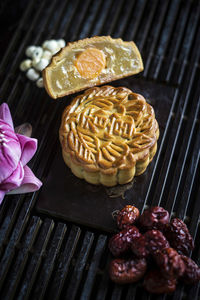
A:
90	62
108	135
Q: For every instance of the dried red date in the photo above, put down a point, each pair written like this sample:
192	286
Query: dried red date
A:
170	263
155	240
154	218
179	237
139	247
127	216
192	271
154	282
127	271
121	242
155	244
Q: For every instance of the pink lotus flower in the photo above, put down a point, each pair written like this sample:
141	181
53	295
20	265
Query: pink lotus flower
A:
15	152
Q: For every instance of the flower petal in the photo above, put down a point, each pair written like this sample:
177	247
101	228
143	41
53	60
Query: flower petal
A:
15	152
10	151
29	184
24	129
2	194
28	148
5	114
14	180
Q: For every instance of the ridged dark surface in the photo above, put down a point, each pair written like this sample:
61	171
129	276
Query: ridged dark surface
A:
44	257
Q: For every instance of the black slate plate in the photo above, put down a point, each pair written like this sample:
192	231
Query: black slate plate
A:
70	198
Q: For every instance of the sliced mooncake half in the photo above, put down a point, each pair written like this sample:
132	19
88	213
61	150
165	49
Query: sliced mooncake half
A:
90	62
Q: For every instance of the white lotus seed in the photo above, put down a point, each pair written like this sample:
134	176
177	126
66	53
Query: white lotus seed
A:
40	83
56	50
32	74
51	45
35	62
61	43
29	51
25	65
47	54
44	44
41	65
37	54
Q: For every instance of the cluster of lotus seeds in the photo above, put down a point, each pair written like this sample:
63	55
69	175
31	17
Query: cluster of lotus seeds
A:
39	58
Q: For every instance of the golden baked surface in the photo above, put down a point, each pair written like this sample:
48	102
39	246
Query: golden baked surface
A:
108	135
90	62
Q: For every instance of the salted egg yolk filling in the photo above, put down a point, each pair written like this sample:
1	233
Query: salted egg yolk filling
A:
90	63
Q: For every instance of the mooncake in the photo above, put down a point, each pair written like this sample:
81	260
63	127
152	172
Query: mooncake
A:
108	135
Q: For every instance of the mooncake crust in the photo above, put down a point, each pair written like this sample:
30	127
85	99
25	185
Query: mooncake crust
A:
108	135
84	43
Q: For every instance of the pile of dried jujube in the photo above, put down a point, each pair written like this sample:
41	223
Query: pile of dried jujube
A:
156	249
